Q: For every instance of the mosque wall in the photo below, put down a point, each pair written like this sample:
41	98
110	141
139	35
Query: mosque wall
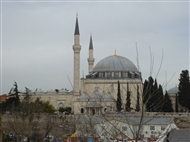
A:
55	99
111	85
107	106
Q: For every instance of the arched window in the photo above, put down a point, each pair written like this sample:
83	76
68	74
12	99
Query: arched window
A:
82	110
111	107
61	104
105	109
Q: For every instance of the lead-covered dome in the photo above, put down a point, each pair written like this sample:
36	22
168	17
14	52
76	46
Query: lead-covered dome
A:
115	63
173	90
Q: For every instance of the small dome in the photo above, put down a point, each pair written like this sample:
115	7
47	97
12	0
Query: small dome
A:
173	90
84	97
115	63
96	95
39	90
62	91
51	91
107	97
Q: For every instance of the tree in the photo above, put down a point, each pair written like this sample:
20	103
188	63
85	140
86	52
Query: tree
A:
138	100
176	104
13	100
128	99
29	120
184	89
119	103
167	105
152	95
66	109
47	107
147	94
158	99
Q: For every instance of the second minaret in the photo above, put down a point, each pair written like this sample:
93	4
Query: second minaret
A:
91	58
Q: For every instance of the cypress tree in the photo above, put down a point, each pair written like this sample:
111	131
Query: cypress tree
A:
176	104
167	105
184	90
149	91
138	100
128	99
145	93
159	98
154	97
119	103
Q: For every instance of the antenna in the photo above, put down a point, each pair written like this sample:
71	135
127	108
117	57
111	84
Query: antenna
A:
70	81
137	58
166	79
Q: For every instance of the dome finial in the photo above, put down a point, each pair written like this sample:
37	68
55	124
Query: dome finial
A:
77	14
115	53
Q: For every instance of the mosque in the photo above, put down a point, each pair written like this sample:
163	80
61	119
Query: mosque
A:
96	93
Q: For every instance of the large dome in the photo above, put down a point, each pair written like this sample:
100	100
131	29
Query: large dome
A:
115	63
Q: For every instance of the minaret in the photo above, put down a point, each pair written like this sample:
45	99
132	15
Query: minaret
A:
91	58
76	49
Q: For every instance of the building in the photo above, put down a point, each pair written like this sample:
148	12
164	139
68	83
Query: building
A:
173	93
123	127
3	98
178	136
100	85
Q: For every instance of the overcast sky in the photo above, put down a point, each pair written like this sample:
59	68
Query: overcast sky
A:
37	39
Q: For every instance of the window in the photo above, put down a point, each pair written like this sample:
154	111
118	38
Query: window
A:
111	107
152	127
123	74
101	74
108	74
105	109
163	128
82	110
152	136
124	128
61	105
116	74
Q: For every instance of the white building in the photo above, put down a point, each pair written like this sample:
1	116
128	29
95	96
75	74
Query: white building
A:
123	127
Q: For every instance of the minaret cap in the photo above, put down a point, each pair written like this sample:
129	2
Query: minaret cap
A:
91	45
77	26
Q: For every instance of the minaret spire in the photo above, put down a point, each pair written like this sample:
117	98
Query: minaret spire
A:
91	58
77	26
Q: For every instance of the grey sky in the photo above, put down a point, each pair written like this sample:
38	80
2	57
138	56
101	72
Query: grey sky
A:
37	39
